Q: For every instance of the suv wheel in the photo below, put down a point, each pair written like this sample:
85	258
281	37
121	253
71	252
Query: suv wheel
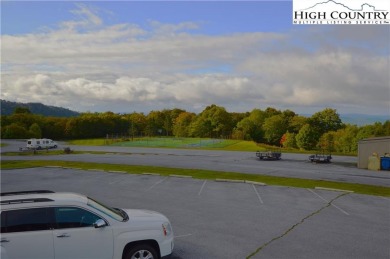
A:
142	251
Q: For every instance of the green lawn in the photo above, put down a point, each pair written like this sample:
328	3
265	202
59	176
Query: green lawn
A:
172	142
88	142
190	143
205	174
49	153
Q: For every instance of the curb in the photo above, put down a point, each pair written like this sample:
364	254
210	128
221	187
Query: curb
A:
119	172
229	180
256	183
180	176
151	174
331	189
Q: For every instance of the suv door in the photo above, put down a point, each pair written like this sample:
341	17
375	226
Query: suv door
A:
76	237
26	233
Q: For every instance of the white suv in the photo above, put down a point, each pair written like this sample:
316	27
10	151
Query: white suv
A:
44	224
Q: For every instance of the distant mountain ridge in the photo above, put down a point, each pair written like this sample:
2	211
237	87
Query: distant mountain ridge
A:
363	119
7	108
359	119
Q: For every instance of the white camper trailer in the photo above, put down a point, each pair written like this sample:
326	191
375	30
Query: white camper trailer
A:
41	143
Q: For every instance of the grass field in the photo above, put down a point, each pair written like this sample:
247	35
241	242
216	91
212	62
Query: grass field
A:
190	143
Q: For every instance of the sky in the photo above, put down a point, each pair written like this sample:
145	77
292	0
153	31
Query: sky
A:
126	56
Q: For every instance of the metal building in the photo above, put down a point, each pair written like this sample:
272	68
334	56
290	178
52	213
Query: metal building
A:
367	147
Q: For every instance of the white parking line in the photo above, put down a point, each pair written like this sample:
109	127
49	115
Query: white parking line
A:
151	187
322	198
258	195
118	180
201	189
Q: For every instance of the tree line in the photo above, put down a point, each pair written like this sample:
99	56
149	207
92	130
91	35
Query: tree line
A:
323	130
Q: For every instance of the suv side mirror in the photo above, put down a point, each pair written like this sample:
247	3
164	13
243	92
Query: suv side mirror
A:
99	223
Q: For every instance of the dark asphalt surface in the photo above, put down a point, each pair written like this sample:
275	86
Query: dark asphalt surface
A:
220	220
342	168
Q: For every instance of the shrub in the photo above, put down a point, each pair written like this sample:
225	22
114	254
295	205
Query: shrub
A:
67	150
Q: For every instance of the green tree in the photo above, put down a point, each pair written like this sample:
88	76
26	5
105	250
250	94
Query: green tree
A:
21	109
169	117
245	129
54	128
386	128
97	125
325	120
251	127
181	127
25	119
15	131
270	111
155	123
367	131
221	122
296	123
35	131
237	117
137	125
274	128
289	140
345	140
72	128
213	121
306	137
326	142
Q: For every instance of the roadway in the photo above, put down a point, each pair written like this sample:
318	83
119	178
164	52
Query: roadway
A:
342	168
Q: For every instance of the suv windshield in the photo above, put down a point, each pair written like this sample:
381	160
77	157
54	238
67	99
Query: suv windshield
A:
111	212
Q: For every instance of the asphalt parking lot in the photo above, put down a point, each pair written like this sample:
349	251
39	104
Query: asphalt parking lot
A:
234	220
342	168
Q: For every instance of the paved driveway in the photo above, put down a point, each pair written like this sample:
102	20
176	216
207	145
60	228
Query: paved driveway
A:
234	220
342	169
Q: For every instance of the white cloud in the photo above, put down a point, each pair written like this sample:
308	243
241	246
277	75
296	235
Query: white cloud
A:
85	62
87	17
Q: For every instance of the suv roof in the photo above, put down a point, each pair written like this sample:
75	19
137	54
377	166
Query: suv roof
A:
37	196
25	192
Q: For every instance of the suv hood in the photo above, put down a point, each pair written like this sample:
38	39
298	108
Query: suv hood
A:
147	214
